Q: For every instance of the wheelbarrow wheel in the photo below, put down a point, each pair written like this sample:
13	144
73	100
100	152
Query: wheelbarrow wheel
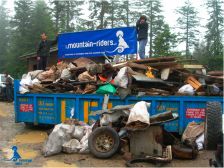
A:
103	142
213	124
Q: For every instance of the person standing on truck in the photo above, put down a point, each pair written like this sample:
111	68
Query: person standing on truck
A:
43	50
9	88
142	32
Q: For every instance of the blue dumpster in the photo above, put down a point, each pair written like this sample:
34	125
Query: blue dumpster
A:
56	108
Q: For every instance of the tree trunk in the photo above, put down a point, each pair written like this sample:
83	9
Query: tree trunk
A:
57	15
127	14
187	34
150	33
67	15
112	14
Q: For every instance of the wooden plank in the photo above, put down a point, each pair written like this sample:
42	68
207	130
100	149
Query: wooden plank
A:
151	60
193	66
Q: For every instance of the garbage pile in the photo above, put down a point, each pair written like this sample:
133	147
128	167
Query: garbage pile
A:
154	76
131	129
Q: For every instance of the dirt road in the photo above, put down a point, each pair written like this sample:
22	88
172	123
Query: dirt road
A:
29	142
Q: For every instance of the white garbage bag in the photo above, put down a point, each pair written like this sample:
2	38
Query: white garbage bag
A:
35	81
65	74
121	79
188	89
35	73
78	132
24	83
84	141
139	113
71	146
60	134
26	80
200	141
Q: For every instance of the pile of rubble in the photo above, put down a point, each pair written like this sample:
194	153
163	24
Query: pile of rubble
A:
129	130
154	76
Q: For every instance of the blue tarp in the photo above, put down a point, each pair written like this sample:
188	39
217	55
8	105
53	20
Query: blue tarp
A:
109	42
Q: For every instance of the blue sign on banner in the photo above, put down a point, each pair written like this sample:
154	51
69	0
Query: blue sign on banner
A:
109	42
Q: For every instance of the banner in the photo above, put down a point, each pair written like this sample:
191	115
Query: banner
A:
109	42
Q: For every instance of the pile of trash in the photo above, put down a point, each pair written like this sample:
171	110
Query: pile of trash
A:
154	76
127	127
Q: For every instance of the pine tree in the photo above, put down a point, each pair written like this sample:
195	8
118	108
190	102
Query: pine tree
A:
215	28
114	15
188	22
21	38
66	14
41	22
56	12
99	11
4	34
164	42
21	24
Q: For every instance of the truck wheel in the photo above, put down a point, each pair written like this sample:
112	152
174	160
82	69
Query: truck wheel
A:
213	124
103	142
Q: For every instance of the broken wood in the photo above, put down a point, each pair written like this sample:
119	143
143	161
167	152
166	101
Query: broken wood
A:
193	66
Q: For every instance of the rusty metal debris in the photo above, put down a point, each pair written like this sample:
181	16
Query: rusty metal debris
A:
154	76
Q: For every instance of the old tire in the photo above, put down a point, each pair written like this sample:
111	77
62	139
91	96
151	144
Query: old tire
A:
213	124
103	142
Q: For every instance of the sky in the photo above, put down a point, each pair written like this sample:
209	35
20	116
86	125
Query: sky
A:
169	13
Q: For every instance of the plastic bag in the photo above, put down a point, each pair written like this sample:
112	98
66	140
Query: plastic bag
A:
26	80
60	134
139	113
200	142
188	89
48	75
24	83
65	74
71	146
121	79
192	132
106	89
35	81
84	141
78	132
85	76
35	73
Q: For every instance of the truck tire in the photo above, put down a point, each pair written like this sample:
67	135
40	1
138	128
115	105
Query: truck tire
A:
104	142
213	125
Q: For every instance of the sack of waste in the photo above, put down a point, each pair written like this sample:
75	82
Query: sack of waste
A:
78	133
139	113
84	148
121	79
71	146
186	89
60	134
